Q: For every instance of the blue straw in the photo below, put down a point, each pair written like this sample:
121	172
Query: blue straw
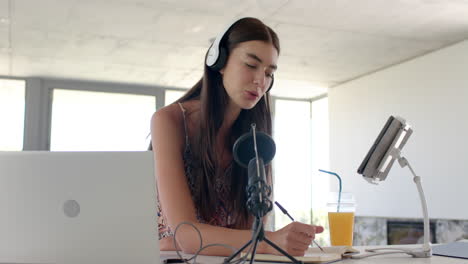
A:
339	180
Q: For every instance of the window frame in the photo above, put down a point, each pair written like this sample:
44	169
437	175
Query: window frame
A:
39	99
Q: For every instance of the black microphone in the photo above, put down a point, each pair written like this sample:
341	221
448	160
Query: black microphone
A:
253	171
244	149
253	151
258	191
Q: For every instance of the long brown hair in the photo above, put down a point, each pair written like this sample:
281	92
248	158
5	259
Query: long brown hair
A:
213	102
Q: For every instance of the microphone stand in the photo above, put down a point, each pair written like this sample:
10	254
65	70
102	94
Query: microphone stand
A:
258	228
259	205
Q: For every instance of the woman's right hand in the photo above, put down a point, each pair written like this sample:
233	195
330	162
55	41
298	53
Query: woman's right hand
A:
294	238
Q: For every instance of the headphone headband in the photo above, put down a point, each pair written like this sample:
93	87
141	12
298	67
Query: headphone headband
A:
216	56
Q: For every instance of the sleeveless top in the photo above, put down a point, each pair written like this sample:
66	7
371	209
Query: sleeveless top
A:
222	216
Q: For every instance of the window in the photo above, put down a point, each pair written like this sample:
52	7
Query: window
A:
301	137
98	121
12	104
172	96
292	163
320	160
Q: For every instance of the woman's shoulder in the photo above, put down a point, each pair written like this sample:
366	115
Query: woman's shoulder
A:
170	114
167	127
173	123
174	114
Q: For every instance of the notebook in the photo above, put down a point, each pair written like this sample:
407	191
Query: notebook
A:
312	255
78	207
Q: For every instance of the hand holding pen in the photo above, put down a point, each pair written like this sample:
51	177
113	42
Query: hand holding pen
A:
292	219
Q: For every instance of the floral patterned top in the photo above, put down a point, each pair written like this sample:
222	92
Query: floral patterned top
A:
222	215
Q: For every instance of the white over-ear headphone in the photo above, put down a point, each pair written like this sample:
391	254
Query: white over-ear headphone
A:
217	55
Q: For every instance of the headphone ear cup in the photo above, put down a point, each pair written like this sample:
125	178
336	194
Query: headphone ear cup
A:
221	61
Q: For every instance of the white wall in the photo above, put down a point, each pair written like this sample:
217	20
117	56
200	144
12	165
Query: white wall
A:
431	93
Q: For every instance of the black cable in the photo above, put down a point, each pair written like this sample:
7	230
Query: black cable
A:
194	257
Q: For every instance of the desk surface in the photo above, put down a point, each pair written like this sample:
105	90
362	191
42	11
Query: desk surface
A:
382	259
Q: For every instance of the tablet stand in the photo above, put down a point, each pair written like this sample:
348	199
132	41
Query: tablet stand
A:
423	252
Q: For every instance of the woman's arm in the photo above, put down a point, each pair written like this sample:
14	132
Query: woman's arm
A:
168	139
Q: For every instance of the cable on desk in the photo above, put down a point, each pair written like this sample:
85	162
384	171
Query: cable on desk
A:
194	257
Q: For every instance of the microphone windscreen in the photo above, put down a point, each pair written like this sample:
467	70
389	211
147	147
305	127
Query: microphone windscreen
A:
243	150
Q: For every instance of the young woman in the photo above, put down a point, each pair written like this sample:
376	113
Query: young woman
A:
192	140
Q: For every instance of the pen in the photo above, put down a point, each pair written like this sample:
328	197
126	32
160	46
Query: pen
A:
292	219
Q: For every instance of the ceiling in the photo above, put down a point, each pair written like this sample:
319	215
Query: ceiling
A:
163	42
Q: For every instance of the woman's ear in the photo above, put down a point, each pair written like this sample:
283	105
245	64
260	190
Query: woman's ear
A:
221	71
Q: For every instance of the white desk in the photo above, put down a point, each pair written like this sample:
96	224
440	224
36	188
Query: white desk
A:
383	259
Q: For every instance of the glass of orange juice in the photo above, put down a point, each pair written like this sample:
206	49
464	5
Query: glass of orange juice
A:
341	219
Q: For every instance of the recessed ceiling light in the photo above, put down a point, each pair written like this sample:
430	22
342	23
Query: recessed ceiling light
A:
196	29
5	50
4	20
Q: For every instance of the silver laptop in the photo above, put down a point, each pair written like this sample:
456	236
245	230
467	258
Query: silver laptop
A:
78	207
